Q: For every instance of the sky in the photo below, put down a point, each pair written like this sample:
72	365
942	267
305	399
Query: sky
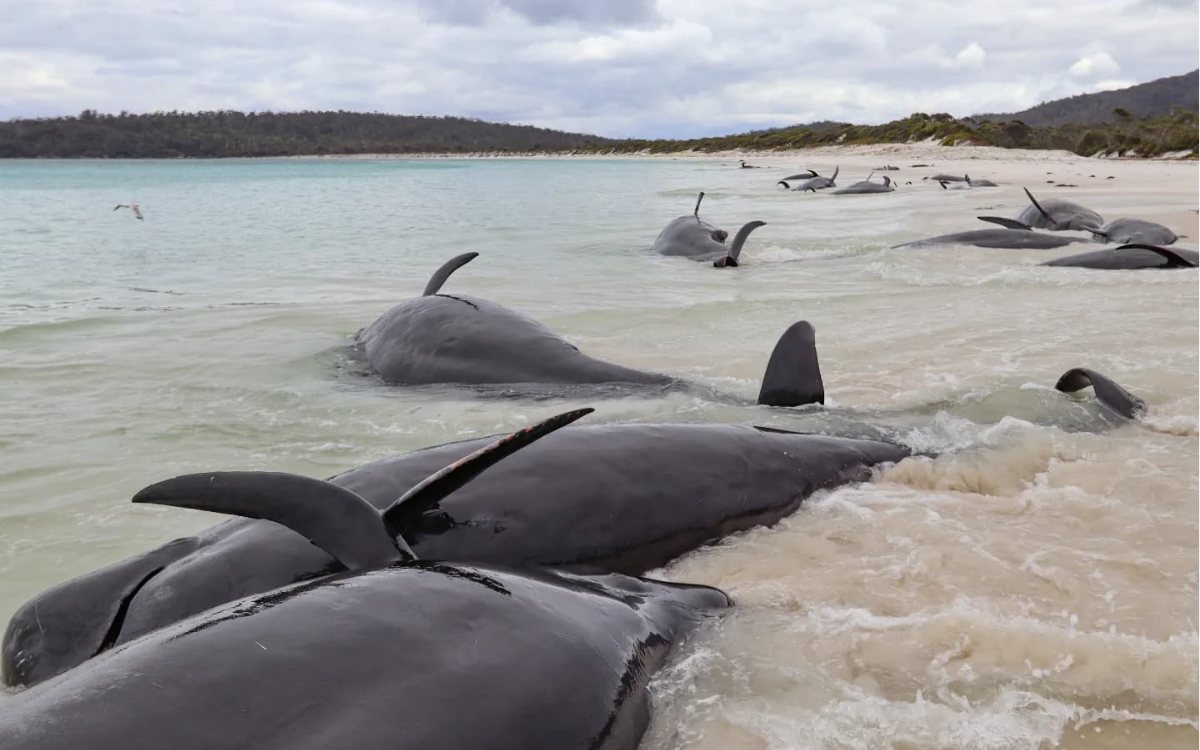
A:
618	68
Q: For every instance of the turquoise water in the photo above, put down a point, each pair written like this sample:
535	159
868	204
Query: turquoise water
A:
211	336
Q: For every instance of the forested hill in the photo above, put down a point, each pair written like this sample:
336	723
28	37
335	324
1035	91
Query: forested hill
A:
1159	97
223	134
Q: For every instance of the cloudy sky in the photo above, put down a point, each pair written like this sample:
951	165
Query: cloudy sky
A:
638	68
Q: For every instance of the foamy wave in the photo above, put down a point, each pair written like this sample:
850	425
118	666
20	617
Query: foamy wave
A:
951	677
1002	459
781	254
1177	424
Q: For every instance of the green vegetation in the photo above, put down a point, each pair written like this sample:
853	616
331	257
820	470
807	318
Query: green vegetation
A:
1145	120
227	133
1129	136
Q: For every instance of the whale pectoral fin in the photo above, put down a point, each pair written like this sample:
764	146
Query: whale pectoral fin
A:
1007	223
430	491
70	623
1174	258
1107	391
793	376
439	276
332	517
784	183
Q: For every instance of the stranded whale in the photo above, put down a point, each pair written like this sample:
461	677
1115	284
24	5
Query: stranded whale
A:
457	339
394	653
697	239
1130	257
673	488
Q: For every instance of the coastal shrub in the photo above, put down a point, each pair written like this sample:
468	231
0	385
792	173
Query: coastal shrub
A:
1093	141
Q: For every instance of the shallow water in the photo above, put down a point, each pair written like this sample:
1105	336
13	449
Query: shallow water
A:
1036	587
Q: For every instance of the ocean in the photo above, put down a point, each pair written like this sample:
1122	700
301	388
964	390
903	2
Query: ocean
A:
1034	586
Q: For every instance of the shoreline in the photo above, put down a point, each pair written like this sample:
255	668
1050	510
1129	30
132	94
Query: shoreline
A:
917	150
920	150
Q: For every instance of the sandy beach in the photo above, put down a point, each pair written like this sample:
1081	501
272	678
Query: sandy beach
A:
1045	172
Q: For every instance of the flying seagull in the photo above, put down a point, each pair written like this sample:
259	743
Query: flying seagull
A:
132	207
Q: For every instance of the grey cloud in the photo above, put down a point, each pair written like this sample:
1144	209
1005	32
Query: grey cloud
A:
542	12
629	68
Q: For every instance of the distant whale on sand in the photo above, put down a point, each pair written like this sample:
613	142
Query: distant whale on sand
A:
812	183
866	187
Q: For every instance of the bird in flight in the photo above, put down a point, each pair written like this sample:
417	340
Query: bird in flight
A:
132	207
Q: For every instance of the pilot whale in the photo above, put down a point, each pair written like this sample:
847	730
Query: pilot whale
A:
464	340
394	653
697	239
622	498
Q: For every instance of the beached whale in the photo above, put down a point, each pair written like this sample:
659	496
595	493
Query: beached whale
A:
1131	257
393	654
458	339
999	238
943	177
866	186
1054	214
1130	231
807	174
812	183
964	183
697	239
623	498
416	657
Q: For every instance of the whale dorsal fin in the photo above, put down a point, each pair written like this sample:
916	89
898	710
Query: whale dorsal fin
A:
835	172
1174	259
1107	391
1007	223
330	516
439	276
430	491
793	376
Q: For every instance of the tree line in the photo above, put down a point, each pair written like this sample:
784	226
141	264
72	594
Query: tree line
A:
229	133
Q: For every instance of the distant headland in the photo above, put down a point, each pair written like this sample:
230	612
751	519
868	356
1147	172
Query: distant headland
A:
1151	119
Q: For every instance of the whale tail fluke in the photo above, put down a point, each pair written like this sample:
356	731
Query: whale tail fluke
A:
439	276
1006	223
793	376
1108	392
330	516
